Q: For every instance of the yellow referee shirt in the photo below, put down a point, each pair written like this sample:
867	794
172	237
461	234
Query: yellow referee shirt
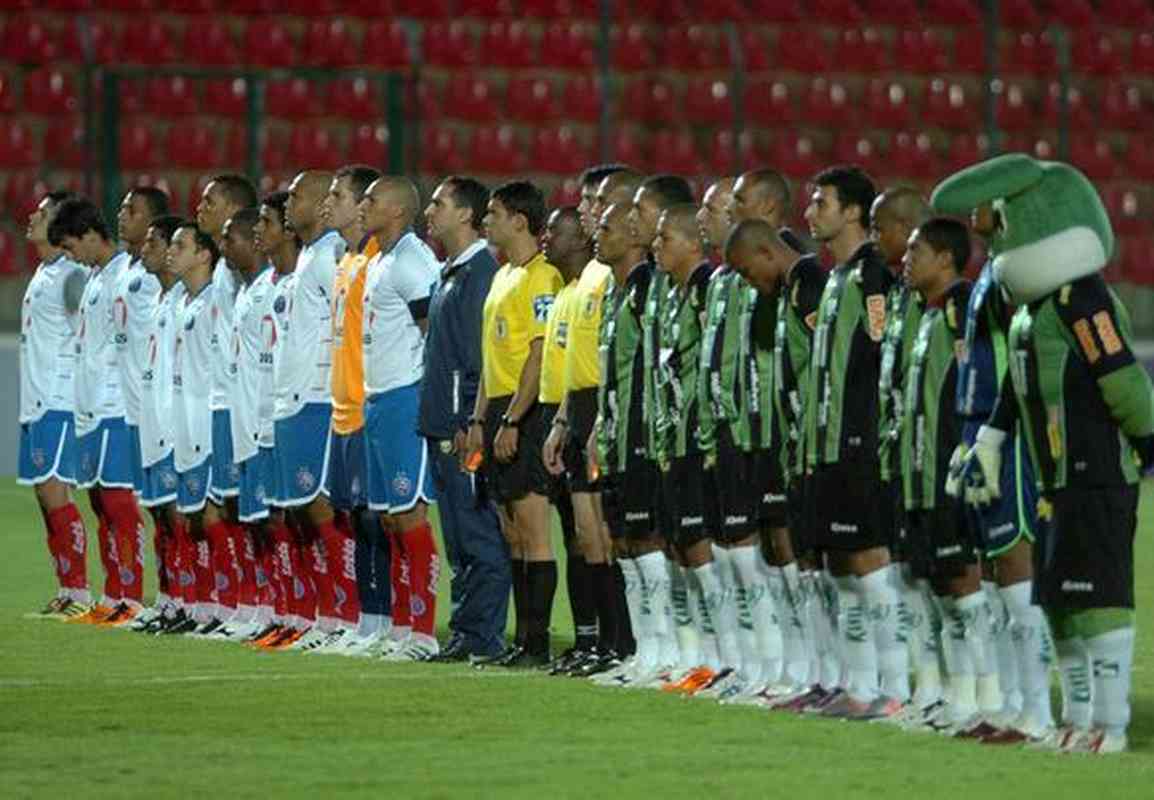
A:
348	372
582	364
556	346
516	310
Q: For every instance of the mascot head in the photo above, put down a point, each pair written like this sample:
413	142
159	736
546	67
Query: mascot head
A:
1051	225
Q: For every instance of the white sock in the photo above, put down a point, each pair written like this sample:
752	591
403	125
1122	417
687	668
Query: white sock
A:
1032	652
879	591
829	638
765	636
368	625
923	642
714	625
655	584
1008	673
1112	660
960	680
639	614
808	607
783	582
858	642
1074	672
977	617
682	593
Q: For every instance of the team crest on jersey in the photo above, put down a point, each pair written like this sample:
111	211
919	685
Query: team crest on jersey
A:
590	307
305	479
39	458
192	485
134	285
127	578
280	304
562	334
402	485
416	606
502	328
168	479
190	324
233	473
541	305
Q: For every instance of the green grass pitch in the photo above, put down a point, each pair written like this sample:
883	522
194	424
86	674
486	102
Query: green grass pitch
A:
91	713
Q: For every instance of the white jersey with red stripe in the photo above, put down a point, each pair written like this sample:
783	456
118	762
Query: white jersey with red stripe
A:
192	379
98	391
157	423
304	362
137	293
251	365
48	340
224	289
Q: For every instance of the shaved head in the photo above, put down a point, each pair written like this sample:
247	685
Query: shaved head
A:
678	246
761	194
713	216
398	191
683	219
306	194
894	215
757	252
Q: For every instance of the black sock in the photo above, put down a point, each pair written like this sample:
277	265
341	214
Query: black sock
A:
604	587
580	580
542	585
520	599
625	644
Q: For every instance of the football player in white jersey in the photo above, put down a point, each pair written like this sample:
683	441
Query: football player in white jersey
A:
48	323
303	409
103	447
398	288
136	295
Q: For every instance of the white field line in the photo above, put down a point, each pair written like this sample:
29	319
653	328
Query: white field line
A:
383	676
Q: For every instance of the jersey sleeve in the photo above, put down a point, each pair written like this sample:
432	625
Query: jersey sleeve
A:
412	277
541	287
806	295
956	305
876	281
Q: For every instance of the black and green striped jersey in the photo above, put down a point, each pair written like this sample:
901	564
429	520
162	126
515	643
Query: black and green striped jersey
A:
620	430
903	313
841	417
717	383
1074	384
655	295
758	314
929	427
797	305
678	359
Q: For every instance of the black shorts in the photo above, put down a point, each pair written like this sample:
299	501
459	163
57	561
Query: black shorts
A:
847	498
799	515
628	500
894	518
738	496
1084	555
689	493
525	474
940	543
770	479
582	415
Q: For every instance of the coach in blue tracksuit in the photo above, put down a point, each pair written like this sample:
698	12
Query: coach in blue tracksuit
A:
477	552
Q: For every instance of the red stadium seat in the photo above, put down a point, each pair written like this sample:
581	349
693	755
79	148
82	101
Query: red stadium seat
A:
948	105
796	156
27	40
441	151
427	99
1030	54
139	148
533	100
1096	52
1137	14
329	43
1095	157
8	94
273	143
1124	107
172	96
913	156
293	99
497	150
370	9
353	98
1081	116
560	9
888	105
49	92
312	147
769	103
1133	259
567	46
567	192
1014	107
508	44
252	7
9	264
828	103
1139	159
966	149
853	148
488	9
709	101
921	51
775	10
582	99
369	144
803	50
449	45
473	99
423	9
311	8
861	50
690	49
191	6
717	11
1074	14
268	43
970	50
676	152
208	41
227	97
103	41
1129	208
17	145
841	13
891	12
732	155
193	145
629	147
64	143
631	47
755	51
662	102
147	40
385	44
558	151
1020	14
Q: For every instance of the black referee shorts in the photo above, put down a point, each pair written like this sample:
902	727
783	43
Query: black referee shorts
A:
582	415
525	474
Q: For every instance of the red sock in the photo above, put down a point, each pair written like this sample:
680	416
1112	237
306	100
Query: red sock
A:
223	563
318	567
304	594
184	560
68	543
128	529
112	591
424	566
282	568
340	552
246	565
161	544
399	580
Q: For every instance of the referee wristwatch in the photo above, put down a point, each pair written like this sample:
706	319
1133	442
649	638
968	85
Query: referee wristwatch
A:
509	422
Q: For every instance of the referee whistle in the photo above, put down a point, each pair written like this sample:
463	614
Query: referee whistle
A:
473	462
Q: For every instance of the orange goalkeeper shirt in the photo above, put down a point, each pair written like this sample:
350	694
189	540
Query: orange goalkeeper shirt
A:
348	350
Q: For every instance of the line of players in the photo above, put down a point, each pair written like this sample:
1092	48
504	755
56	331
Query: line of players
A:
752	457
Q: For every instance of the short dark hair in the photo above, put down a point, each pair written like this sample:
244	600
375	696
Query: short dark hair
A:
236	188
469	193
244	221
568	213
167	224
853	186
359	175
526	199
58	196
277	201
203	241
76	217
156	199
944	234
592	176
670	190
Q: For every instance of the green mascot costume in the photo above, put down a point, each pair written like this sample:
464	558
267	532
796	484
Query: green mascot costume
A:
1087	410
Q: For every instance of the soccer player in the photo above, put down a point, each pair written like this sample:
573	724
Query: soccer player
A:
136	295
48	327
478	555
302	412
397	290
104	461
841	439
176	552
347	465
506	421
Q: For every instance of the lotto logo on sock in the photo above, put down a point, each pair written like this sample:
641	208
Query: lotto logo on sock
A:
348	559
417	606
434	575
187	578
1107	669
65	564
319	554
202	557
127	577
339	596
77	531
261	578
298	588
221	582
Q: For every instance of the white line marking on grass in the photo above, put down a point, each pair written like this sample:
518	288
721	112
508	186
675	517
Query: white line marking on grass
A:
235	677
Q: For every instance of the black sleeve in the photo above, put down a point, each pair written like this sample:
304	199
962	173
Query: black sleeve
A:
1087	310
1005	412
956	305
419	309
808	290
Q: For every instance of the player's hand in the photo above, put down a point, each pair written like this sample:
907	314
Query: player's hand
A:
985	468
474	444
460	444
551	452
955	473
505	444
